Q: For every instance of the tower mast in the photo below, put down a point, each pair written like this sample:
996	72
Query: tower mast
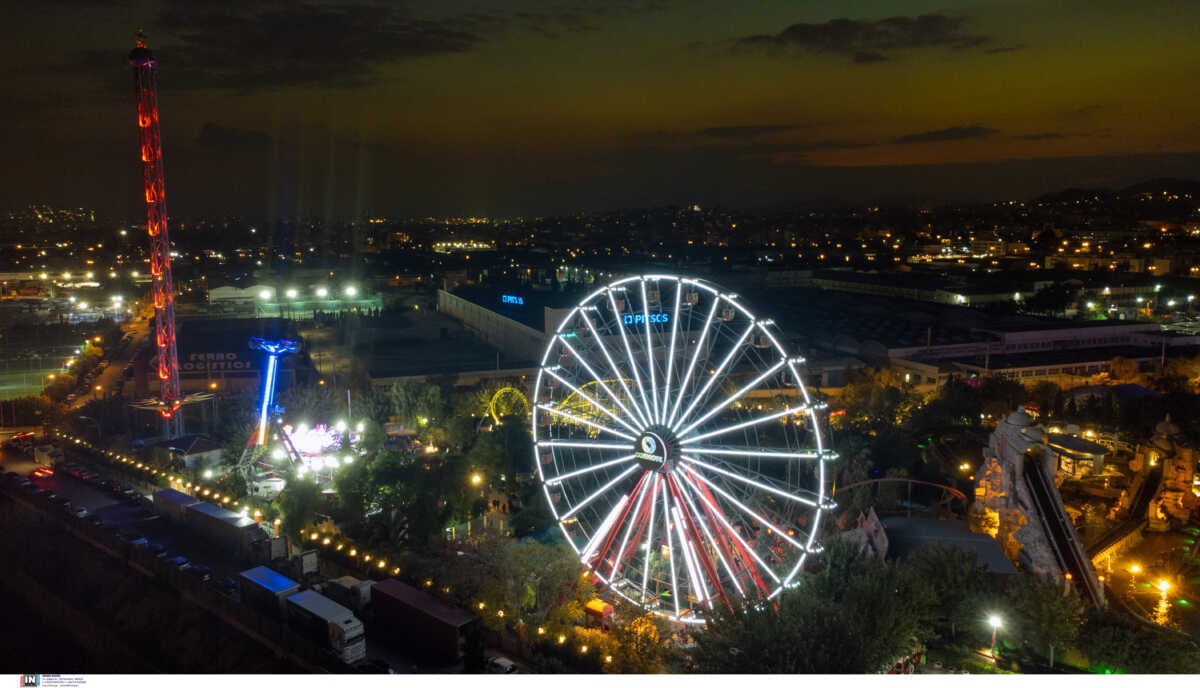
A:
144	74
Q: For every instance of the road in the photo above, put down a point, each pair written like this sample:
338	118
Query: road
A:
111	378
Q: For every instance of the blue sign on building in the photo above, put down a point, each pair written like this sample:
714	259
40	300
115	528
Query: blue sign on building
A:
638	318
514	300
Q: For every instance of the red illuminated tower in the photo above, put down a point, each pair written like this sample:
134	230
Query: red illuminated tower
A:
144	71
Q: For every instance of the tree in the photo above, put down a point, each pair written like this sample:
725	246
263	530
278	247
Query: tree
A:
1122	368
960	579
640	651
1048	613
298	503
857	615
413	401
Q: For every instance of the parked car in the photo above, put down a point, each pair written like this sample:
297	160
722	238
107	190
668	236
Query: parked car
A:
180	563
199	571
159	549
80	512
501	665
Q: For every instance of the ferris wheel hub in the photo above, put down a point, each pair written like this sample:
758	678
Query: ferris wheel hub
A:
657	449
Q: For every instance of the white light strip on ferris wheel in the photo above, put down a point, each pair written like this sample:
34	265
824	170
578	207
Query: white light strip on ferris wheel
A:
616	371
732	531
605	526
662	417
597	493
770	526
670	548
687	377
691	546
595	377
595	467
584	445
590	400
732	398
746	424
650	349
637	376
637	510
684	490
762	454
712	378
650	536
697	589
584	421
782	493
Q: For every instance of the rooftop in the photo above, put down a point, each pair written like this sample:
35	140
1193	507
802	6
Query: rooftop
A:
269	579
906	535
416	599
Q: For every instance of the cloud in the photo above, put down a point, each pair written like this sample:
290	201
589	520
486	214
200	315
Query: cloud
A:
1043	136
299	44
230	140
867	41
974	131
746	131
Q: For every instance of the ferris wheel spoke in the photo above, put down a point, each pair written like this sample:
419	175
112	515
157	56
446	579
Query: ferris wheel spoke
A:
683	492
774	527
589	469
650	348
607	486
596	378
733	397
749	481
584	421
712	378
605	526
645	486
584	395
650	535
756	454
637	376
732	531
578	444
687	377
670	549
700	567
662	417
616	371
694	586
745	424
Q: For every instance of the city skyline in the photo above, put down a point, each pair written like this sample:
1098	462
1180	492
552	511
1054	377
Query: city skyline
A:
476	108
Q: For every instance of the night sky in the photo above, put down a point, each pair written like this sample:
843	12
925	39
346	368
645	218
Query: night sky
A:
332	109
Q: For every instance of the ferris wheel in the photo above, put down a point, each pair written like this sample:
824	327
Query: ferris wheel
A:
678	448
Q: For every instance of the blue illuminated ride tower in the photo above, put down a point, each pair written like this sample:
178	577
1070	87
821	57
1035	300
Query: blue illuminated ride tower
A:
274	348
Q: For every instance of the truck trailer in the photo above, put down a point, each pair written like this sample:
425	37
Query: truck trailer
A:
170	504
328	624
234	531
266	590
409	617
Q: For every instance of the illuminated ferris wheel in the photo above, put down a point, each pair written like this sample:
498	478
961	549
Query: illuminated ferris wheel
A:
678	448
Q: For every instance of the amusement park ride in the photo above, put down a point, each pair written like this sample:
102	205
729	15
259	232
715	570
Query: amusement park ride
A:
170	400
678	447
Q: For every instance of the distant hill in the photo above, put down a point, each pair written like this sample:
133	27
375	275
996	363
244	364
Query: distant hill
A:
1171	186
1072	195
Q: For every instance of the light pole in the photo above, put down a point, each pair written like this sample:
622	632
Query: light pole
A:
995	622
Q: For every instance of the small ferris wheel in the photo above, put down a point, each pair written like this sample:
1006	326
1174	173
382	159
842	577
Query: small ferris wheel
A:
677	445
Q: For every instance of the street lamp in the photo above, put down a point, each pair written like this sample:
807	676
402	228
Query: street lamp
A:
476	479
995	622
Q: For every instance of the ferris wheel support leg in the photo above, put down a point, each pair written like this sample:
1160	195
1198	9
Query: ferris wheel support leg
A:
602	551
694	537
746	557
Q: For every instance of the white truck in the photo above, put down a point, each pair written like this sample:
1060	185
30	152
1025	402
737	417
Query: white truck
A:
329	624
